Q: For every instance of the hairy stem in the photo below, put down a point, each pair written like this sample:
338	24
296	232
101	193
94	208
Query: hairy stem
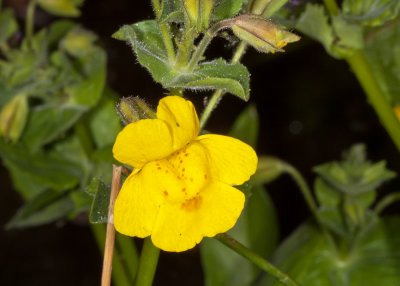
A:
256	259
167	39
217	95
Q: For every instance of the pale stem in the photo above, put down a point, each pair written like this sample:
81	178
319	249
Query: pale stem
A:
256	260
110	233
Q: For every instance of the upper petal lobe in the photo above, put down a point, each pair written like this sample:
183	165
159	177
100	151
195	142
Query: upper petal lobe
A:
143	141
181	117
231	161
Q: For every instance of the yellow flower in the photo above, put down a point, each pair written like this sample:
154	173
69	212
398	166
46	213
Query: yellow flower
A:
181	188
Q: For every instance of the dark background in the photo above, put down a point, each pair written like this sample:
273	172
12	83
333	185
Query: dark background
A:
311	109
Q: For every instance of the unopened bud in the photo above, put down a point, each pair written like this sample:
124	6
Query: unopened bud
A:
133	108
78	42
199	12
13	118
268	170
262	34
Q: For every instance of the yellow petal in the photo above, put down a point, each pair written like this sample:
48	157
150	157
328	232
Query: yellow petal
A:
231	161
191	167
137	205
180	227
181	117
143	141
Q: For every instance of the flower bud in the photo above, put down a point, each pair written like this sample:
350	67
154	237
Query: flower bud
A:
263	35
268	170
199	12
133	108
13	117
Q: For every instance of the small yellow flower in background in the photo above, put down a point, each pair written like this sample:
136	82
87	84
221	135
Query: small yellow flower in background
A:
181	187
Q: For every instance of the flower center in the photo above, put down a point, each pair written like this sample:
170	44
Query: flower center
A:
192	204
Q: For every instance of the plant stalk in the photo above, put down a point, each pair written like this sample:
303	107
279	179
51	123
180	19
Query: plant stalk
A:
119	276
169	46
30	20
375	95
217	95
256	259
147	264
386	201
110	233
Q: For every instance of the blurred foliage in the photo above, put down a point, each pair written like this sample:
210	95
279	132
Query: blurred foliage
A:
364	248
57	122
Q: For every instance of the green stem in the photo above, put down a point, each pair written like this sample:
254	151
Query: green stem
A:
211	105
375	95
200	49
386	201
169	46
332	7
256	259
217	95
303	186
126	247
148	263
119	275
307	194
202	46
30	20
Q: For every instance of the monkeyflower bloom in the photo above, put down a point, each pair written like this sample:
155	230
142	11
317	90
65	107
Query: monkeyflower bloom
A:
180	189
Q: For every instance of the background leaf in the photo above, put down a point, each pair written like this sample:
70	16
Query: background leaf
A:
46	207
374	259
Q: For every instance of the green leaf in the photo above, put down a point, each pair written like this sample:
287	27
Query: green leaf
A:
52	172
217	74
64	8
81	202
370	12
326	195
146	41
88	91
314	23
383	54
373	259
103	123
257	228
46	207
349	35
101	200
49	121
354	175
246	126
225	9
172	11
8	25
